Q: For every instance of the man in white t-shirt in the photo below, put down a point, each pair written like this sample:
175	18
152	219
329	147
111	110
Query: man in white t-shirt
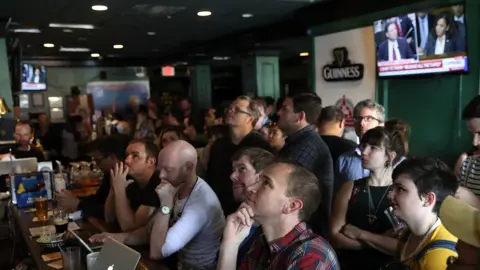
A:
190	220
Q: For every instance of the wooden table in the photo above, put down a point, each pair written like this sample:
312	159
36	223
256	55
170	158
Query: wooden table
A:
24	222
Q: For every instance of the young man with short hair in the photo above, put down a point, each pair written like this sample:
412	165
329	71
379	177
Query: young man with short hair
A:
284	198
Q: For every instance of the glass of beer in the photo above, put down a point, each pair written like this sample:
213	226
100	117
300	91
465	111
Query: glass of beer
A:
41	205
60	219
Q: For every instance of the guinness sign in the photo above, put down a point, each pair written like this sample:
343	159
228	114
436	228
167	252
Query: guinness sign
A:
341	69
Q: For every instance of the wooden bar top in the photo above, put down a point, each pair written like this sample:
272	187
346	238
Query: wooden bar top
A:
24	222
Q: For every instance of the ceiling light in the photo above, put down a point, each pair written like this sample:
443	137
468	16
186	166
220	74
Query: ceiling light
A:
67	30
304	54
204	13
48	45
71	25
27	30
247	15
221	58
66	49
95	55
151	33
99	7
118	46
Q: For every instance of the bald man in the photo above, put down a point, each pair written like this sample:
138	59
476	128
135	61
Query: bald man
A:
190	219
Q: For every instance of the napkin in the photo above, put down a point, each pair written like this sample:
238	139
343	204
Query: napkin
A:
43	230
56	264
50	213
51	256
72	226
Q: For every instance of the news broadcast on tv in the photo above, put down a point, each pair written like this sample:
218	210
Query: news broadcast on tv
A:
432	41
34	77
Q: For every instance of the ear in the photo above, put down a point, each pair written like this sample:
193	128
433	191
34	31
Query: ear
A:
392	156
292	205
301	116
152	161
341	124
429	199
189	166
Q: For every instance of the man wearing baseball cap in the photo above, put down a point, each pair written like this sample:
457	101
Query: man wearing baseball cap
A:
463	221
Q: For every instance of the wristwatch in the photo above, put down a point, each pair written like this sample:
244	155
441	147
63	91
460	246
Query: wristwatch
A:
165	210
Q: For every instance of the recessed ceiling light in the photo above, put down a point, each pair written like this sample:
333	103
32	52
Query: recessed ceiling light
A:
204	13
118	46
247	15
304	54
27	30
151	33
66	49
67	30
221	58
99	7
95	55
71	25
48	45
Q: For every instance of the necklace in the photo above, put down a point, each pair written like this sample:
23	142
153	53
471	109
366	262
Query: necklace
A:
372	209
179	215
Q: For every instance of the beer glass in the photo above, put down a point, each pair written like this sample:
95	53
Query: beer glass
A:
41	205
60	219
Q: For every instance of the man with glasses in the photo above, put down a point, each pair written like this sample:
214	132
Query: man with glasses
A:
241	117
248	164
131	202
367	114
106	152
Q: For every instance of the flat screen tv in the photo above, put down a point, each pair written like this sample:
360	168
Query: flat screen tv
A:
34	77
424	42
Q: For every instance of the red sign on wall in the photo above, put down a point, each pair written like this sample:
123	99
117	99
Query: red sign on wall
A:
168	71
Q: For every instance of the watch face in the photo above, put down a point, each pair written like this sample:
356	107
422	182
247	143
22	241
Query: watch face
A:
165	210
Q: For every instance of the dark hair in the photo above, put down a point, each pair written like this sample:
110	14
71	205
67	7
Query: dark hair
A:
259	158
472	110
429	175
217	131
177	130
330	114
176	113
392	137
142	109
303	184
388	25
269	101
397	125
310	104
448	21
112	145
150	148
24	123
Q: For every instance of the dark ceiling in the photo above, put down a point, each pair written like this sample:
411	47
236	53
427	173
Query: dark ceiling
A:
127	22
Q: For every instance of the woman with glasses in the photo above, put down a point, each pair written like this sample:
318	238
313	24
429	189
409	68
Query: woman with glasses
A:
247	165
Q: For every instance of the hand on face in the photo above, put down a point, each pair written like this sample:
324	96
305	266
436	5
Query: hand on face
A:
166	192
238	225
118	176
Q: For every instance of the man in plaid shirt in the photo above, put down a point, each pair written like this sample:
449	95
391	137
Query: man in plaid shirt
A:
281	201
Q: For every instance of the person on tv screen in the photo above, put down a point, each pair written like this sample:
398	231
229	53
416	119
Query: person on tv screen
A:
443	39
394	48
425	25
459	21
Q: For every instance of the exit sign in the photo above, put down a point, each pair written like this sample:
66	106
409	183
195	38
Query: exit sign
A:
168	71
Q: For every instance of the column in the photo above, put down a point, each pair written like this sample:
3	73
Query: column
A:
6	121
201	90
261	75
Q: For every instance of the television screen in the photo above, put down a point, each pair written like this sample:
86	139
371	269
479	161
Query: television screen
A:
34	77
429	41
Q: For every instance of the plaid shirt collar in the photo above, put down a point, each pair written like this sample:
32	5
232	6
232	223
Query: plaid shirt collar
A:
278	245
298	136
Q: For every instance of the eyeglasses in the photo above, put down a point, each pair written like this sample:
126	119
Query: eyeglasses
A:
367	119
236	110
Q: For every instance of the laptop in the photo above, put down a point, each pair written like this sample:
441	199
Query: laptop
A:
116	256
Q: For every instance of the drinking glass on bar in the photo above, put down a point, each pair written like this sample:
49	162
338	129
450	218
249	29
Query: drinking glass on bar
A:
396	223
71	258
60	219
41	205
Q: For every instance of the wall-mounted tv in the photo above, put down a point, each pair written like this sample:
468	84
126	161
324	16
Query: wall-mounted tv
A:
34	77
428	41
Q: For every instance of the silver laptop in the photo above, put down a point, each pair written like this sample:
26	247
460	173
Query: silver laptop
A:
116	256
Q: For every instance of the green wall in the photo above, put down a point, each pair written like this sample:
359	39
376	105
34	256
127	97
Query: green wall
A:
430	105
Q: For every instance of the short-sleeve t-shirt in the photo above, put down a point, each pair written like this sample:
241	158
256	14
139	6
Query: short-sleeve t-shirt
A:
144	196
425	258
